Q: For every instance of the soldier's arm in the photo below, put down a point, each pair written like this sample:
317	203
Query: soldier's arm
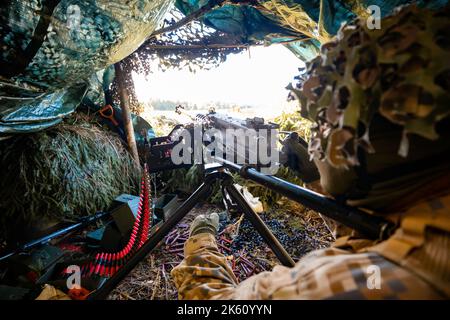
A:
324	274
204	273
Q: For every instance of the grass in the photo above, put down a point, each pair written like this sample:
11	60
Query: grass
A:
71	170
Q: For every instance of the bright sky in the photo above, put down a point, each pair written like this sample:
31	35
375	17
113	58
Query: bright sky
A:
256	78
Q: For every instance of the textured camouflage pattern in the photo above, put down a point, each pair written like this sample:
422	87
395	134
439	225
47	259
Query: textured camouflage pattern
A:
52	49
401	71
82	37
205	223
324	274
204	273
422	243
413	264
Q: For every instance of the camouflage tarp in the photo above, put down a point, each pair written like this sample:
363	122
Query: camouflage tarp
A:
277	21
52	48
51	45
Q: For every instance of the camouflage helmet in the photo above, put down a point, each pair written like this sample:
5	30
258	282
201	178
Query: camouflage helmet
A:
401	72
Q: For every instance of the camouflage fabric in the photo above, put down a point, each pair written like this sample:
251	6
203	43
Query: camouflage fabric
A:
51	51
420	271
422	243
51	293
399	74
204	272
325	274
204	223
81	37
278	21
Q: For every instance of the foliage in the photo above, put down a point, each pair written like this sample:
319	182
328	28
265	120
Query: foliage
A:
161	124
169	105
293	121
187	180
267	196
193	46
71	170
128	65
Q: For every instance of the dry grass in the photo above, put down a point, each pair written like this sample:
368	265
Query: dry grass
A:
71	170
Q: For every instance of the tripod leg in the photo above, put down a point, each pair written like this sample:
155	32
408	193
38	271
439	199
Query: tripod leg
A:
260	226
201	193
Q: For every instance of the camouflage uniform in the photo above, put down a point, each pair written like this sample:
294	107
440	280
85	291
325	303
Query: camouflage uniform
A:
414	264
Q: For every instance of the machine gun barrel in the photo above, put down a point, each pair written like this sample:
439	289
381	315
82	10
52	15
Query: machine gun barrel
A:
371	226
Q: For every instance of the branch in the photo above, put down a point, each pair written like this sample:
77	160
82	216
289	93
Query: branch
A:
212	45
194	46
125	106
212	5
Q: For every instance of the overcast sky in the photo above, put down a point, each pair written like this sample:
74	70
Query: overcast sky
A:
257	78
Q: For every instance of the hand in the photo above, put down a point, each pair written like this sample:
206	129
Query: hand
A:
205	224
294	154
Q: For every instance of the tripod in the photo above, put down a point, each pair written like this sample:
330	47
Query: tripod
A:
203	192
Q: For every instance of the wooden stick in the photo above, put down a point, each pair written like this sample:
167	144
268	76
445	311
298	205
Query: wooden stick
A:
213	45
128	124
211	5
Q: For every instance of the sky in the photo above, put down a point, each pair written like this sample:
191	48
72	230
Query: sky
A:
257	77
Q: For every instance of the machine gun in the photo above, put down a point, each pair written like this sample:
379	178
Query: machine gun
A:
158	151
218	170
371	226
110	267
292	154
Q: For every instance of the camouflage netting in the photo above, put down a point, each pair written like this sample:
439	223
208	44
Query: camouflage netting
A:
71	170
401	71
50	46
81	37
304	24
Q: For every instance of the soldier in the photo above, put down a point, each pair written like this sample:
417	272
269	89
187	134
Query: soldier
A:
379	100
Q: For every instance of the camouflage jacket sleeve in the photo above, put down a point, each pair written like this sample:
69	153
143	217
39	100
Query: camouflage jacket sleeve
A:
204	272
323	274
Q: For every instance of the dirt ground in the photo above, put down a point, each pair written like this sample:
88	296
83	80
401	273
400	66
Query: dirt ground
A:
298	229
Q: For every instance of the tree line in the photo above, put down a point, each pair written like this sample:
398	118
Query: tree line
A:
169	105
